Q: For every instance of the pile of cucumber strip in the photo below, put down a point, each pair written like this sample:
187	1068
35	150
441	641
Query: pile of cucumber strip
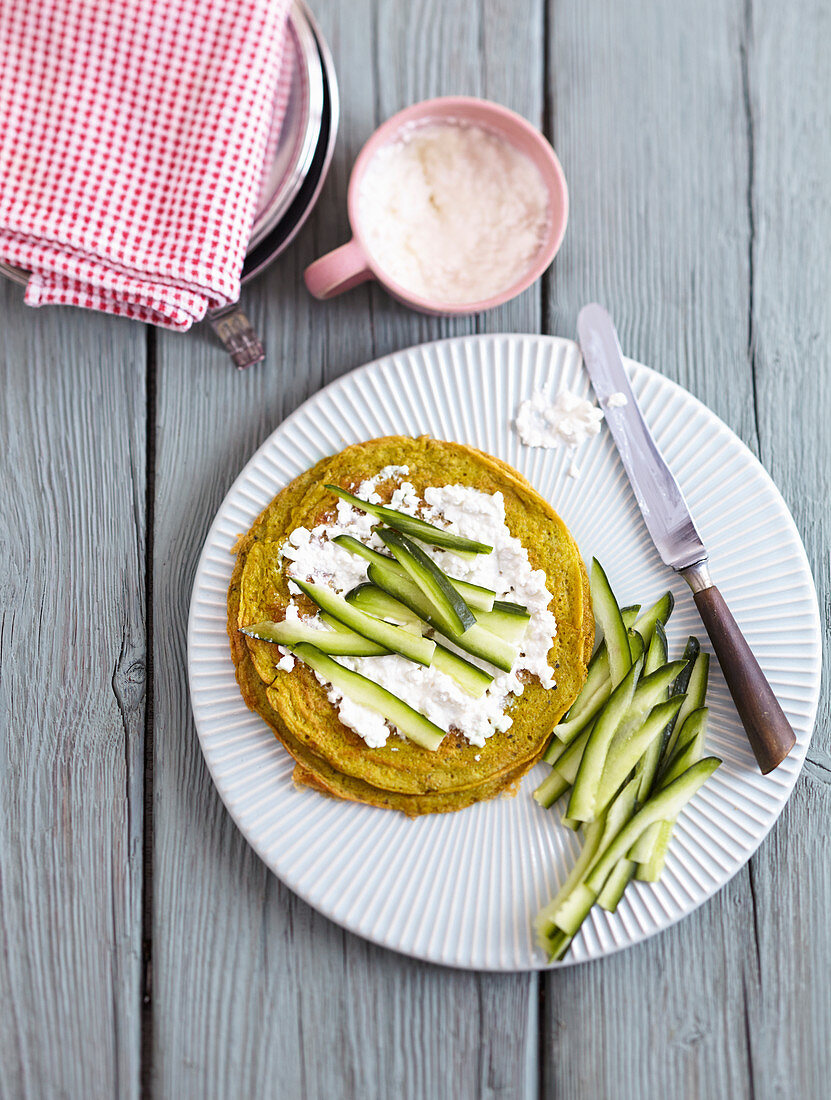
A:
631	752
406	594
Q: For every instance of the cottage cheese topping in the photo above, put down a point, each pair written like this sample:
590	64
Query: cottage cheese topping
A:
616	400
453	213
567	421
312	555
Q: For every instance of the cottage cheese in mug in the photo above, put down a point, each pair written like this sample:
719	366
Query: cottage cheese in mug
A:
453	213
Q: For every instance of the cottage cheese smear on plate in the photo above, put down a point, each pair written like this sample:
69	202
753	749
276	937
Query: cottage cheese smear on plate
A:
568	420
313	556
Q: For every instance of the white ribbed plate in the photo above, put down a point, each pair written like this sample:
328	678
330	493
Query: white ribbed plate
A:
462	888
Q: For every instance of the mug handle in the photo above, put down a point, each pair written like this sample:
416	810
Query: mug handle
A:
338	271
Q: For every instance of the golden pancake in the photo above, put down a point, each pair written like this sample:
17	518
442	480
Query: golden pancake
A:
330	755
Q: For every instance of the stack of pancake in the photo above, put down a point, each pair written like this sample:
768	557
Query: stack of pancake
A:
330	756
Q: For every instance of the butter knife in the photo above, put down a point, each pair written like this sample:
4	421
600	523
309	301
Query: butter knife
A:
679	544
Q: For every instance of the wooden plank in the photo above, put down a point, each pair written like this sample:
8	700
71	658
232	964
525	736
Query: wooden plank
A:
648	110
72	698
790	191
254	993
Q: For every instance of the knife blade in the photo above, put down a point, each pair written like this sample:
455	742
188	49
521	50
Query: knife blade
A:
676	539
658	494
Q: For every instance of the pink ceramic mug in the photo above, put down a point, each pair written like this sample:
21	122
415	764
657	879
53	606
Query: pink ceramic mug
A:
352	264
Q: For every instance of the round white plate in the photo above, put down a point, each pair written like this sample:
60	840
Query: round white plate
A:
462	889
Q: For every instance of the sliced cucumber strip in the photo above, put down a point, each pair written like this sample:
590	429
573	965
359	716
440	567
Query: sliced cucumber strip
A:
575	905
374	601
636	645
584	791
569	763
472	679
334	624
608	615
432	581
656	657
626	750
663	806
641	850
327	641
596	689
690	745
657	654
509	625
648	693
371	695
413	646
696	694
355	546
476	640
410	525
554	751
609	897
509	608
652	867
551	788
556	945
475	596
658	613
544	922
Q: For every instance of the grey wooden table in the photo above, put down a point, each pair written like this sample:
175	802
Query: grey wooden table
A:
143	947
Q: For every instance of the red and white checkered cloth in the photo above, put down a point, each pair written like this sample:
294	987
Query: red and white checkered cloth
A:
132	139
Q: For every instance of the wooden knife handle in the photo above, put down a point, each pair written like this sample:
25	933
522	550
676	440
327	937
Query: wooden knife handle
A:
768	730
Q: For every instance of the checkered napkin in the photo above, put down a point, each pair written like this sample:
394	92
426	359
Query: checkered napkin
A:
132	141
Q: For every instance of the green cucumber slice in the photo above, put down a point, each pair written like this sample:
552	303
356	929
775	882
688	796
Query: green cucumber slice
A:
569	763
626	749
608	615
472	679
290	634
476	640
648	693
410	525
408	721
596	689
689	747
368	598
641	850
583	793
432	581
508	625
544	921
554	786
663	806
696	694
575	904
509	608
651	869
636	645
557	945
609	897
658	613
413	646
657	655
475	596
334	624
